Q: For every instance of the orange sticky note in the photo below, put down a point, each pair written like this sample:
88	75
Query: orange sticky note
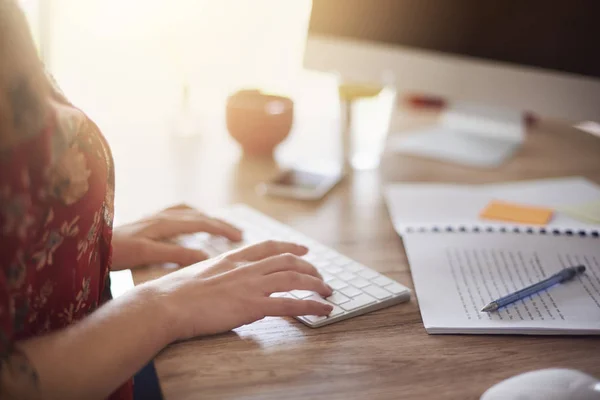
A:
503	211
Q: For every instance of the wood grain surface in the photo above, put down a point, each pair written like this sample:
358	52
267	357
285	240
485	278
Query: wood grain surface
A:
382	355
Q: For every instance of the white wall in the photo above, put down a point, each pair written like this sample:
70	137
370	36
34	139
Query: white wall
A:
110	54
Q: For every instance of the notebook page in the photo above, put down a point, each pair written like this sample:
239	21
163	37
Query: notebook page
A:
430	206
444	205
552	192
456	275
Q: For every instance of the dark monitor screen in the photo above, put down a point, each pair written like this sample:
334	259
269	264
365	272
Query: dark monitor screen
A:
560	35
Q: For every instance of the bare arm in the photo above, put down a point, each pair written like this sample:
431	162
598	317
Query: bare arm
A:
91	358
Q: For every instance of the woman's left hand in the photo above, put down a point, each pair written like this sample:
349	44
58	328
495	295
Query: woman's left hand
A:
143	242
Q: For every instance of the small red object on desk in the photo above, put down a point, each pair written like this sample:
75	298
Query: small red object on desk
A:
425	101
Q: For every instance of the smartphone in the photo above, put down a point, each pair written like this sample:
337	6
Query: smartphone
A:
301	183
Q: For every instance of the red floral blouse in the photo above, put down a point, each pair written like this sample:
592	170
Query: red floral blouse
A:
56	213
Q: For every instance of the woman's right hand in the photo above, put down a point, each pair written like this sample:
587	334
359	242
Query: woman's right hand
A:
234	289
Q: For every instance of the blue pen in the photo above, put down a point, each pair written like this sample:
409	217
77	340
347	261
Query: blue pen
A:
563	276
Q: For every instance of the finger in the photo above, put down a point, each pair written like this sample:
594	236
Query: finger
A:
187	213
230	227
285	307
157	252
263	250
283	262
233	232
290	280
173	226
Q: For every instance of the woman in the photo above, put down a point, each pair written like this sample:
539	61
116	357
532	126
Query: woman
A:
61	336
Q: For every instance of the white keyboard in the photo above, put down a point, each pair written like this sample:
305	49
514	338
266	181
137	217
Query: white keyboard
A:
357	288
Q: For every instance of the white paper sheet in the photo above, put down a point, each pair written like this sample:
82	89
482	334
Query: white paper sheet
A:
467	133
447	144
455	275
443	206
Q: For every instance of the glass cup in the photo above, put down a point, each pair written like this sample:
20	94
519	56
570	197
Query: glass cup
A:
366	116
369	128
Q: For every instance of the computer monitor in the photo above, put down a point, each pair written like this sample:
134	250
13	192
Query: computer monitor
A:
532	55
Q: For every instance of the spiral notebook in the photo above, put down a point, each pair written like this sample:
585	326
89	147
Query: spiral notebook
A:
460	262
455	275
423	207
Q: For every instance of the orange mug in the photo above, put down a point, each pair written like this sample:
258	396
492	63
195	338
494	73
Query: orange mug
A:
259	121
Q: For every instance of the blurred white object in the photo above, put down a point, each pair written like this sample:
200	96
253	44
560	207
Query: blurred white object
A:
369	128
546	384
120	282
468	134
455	146
485	122
589	127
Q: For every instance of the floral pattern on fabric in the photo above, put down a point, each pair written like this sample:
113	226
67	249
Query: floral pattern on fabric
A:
68	179
56	212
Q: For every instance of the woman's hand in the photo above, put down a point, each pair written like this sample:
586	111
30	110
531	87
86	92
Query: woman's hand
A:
234	289
143	242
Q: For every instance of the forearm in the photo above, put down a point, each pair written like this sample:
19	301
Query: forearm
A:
92	358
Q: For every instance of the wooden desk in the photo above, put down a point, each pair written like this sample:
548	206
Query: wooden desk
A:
382	355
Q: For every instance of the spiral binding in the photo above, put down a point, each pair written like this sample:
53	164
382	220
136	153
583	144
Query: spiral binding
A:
490	229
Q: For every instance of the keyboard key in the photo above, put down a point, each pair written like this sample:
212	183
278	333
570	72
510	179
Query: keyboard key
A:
316	297
377	292
212	252
221	247
368	274
301	294
395	288
353	267
318	249
350	291
359	282
311	246
383	281
346	276
314	318
337	284
333	269
336	311
357	302
342	262
298	239
310	257
327	277
337	298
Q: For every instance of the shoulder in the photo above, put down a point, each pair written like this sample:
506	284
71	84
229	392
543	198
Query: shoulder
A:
24	86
